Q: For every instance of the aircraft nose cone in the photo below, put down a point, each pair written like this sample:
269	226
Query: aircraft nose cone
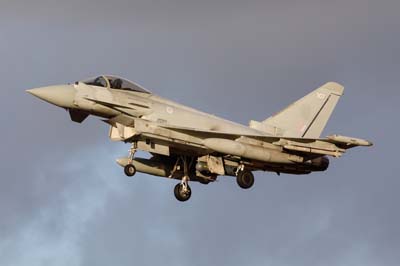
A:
61	95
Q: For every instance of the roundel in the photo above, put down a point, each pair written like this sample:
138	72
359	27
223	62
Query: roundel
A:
321	96
170	110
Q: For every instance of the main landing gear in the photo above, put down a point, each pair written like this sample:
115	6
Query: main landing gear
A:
244	178
182	190
130	169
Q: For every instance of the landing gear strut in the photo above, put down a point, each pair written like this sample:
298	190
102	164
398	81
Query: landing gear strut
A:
244	178
182	191
130	169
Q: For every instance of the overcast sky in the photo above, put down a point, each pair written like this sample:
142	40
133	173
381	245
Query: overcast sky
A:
64	200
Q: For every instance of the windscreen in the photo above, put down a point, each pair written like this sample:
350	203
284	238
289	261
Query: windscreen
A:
123	84
98	81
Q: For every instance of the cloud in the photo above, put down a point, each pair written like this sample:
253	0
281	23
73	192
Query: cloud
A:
61	203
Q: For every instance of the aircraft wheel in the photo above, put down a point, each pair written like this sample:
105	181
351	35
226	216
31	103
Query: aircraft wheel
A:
130	170
245	179
180	194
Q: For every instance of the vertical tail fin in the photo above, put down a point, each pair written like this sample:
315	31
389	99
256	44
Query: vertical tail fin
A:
308	116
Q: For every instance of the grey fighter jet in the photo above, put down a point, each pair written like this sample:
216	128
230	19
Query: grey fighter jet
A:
190	145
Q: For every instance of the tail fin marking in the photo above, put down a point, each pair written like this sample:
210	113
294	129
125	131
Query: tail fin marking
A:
308	116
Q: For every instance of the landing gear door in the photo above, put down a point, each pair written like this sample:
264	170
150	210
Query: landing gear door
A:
120	132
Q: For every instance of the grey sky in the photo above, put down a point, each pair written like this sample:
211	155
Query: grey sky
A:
64	200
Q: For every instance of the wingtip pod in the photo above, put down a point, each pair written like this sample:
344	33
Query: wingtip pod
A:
334	87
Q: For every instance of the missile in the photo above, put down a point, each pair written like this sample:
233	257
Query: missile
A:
250	151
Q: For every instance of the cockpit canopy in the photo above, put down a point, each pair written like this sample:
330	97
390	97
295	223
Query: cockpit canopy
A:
116	83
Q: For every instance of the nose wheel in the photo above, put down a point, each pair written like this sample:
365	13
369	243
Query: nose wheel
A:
130	169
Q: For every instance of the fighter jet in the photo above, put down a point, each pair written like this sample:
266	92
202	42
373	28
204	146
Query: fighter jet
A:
189	145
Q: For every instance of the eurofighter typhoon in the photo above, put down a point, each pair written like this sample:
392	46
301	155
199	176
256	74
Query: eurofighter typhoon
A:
189	145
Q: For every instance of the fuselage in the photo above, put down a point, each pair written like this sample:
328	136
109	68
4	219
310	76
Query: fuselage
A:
107	102
152	119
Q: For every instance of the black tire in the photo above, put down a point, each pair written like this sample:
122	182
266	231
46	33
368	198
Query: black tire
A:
245	179
180	195
130	170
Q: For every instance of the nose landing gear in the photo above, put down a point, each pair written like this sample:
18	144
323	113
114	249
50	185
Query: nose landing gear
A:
130	169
